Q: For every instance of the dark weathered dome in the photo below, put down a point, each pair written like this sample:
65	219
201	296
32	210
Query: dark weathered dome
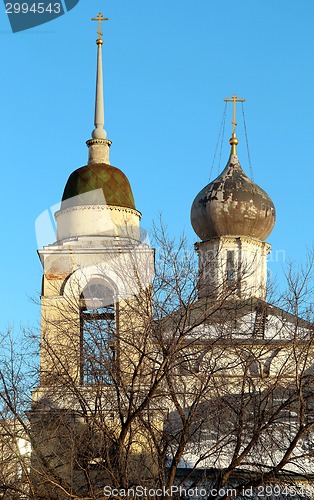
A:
114	185
233	205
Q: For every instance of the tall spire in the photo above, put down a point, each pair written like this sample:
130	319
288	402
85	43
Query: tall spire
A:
99	144
234	141
99	122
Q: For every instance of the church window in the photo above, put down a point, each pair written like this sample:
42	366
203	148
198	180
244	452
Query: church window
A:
97	334
230	267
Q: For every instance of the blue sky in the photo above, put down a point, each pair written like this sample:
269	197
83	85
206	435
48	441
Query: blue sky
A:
168	66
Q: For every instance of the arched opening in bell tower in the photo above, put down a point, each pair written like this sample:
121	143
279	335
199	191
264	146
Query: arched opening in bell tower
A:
98	331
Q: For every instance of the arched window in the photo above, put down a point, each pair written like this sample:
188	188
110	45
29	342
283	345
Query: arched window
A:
97	333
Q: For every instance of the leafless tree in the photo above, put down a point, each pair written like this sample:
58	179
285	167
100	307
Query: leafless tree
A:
173	391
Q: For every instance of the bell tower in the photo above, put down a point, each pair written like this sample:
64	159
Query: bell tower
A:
98	263
95	300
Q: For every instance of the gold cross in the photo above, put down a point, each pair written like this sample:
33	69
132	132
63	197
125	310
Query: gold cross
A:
234	99
99	18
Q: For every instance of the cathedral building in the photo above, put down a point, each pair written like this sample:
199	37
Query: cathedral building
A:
212	386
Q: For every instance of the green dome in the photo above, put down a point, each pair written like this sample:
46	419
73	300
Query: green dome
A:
90	179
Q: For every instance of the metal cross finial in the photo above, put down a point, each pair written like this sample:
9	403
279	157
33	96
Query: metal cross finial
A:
99	18
234	99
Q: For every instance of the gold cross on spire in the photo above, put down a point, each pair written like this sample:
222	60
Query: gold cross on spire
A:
234	99
234	141
99	18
